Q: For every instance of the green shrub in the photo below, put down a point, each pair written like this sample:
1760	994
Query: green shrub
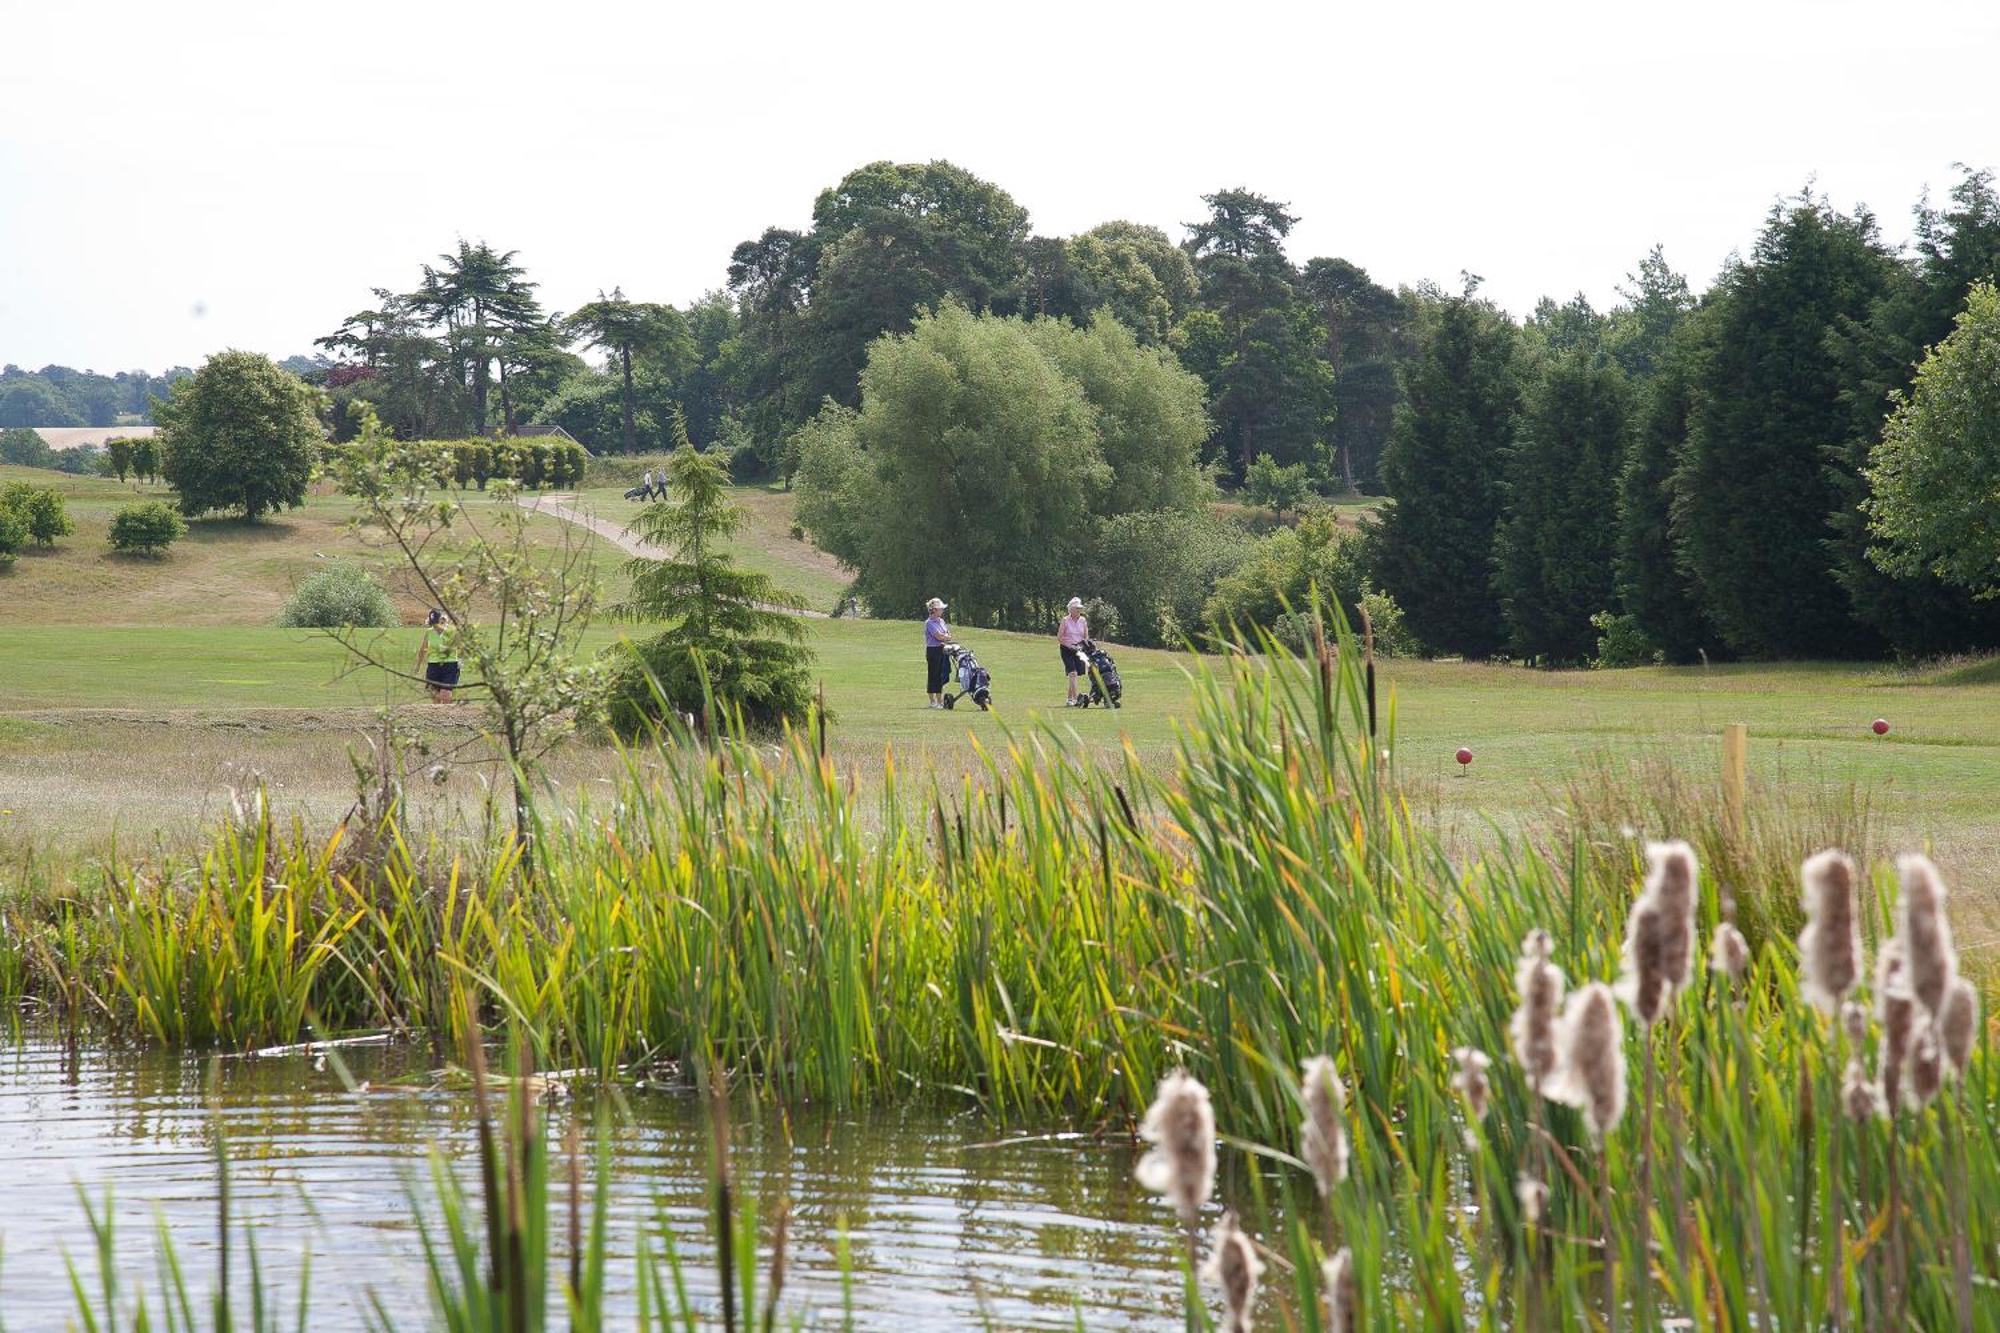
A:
746	464
1158	569
342	596
13	536
147	528
1621	642
41	511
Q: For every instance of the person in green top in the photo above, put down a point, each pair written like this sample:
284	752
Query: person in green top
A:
438	665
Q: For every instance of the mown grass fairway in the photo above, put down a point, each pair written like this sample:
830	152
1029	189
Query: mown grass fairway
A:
169	717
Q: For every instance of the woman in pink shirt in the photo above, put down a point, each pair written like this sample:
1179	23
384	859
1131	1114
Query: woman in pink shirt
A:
1071	633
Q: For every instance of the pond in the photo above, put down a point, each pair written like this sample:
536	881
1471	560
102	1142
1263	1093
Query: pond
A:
951	1222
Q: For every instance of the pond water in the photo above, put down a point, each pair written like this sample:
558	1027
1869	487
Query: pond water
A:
951	1221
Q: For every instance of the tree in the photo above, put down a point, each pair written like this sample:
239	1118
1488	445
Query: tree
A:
146	457
1957	246
1158	569
1640	332
1276	487
1754	491
727	641
484	303
1253	342
118	453
518	610
40	511
31	401
627	329
24	448
241	435
972	471
147	528
1933	477
1442	469
1136	273
1552	554
1362	325
1653	588
1147	411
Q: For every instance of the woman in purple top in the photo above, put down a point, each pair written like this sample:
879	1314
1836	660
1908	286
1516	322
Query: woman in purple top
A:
1071	633
937	668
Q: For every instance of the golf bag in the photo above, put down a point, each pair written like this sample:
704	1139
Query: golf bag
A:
1106	688
638	493
975	682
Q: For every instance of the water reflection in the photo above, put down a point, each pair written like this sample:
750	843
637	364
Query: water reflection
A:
948	1228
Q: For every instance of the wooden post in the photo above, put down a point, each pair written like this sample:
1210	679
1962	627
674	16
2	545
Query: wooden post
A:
1735	762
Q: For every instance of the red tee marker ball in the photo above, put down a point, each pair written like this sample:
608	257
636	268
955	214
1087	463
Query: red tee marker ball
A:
1881	726
1464	755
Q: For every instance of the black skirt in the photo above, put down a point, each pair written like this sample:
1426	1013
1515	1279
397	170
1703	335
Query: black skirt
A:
937	669
441	675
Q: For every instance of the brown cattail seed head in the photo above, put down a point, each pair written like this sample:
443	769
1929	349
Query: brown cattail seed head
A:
1534	1197
1180	1124
1854	1022
1899	1020
1234	1268
1859	1098
1471	1081
1924	932
1659	934
1958	1025
1592	1075
1926	1072
1343	1294
1830	945
1728	952
1890	973
1540	983
1323	1134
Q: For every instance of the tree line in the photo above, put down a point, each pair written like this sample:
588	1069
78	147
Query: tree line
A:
58	396
1298	362
1684	476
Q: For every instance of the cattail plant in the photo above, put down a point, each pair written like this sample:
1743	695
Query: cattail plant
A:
1830	944
1234	1268
1180	1166
1471	1083
1957	1029
1540	984
1924	932
1659	964
1343	1294
1660	934
1591	1077
1830	965
1532	1032
1897	1009
1728	953
1322	1132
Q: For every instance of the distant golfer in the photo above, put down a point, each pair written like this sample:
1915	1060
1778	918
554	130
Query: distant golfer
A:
937	667
437	660
1071	632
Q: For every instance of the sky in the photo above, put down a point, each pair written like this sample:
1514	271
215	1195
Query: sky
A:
178	179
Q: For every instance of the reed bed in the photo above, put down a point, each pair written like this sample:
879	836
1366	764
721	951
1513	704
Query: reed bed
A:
1054	940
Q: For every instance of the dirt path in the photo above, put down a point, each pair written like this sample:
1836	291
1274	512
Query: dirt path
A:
558	506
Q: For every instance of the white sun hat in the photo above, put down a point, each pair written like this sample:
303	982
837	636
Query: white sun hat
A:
937	603
1075	603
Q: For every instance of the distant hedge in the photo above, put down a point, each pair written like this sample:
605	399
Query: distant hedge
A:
538	462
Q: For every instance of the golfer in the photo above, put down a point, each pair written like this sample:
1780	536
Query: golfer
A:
438	664
937	667
1071	631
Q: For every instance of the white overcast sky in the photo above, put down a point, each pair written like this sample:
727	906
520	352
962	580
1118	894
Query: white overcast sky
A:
176	179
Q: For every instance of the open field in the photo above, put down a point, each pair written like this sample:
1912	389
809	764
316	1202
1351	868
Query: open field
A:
159	722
